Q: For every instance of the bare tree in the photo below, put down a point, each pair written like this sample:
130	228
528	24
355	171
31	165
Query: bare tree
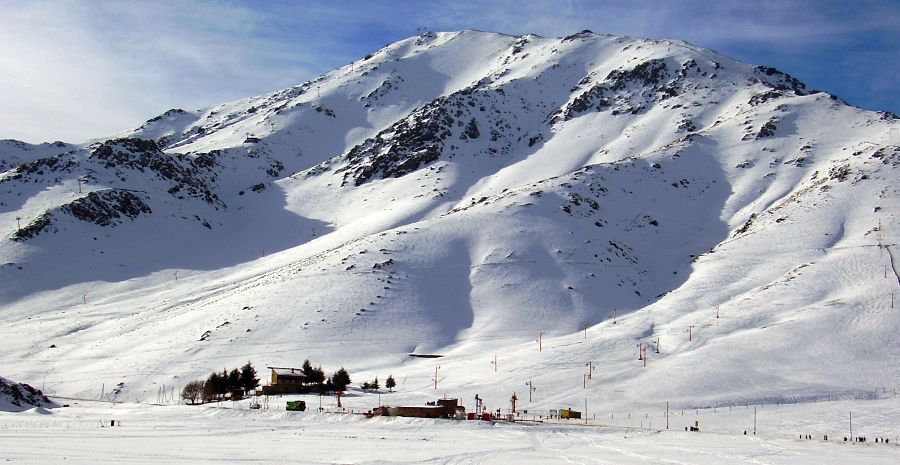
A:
192	391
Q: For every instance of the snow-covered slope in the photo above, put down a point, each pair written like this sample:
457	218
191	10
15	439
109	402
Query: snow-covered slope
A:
461	194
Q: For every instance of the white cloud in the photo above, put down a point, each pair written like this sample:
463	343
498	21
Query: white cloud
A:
73	70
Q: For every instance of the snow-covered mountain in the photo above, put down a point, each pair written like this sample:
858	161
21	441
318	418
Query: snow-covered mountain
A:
470	194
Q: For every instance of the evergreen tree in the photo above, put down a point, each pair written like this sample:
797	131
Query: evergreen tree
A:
374	385
340	379
329	385
318	375
249	381
234	381
211	387
223	383
308	371
390	383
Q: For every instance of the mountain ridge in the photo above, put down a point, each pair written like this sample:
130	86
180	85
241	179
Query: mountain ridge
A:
460	193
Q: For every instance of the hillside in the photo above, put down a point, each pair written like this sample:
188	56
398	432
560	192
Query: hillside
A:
461	194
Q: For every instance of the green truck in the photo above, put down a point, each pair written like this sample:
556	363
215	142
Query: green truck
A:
296	406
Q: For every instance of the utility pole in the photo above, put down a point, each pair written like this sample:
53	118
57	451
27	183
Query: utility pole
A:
690	333
645	356
754	420
541	342
640	351
84	298
586	325
880	239
436	376
18	223
657	344
717	311
667	415
585	411
495	363
851	426
590	366
531	389
615	312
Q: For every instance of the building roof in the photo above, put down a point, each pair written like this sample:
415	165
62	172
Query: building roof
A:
295	372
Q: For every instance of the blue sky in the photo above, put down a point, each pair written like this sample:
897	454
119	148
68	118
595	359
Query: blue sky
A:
73	70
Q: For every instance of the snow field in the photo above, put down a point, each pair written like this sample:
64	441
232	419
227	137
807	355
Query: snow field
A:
151	434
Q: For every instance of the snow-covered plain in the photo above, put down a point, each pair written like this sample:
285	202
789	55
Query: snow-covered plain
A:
548	204
183	434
